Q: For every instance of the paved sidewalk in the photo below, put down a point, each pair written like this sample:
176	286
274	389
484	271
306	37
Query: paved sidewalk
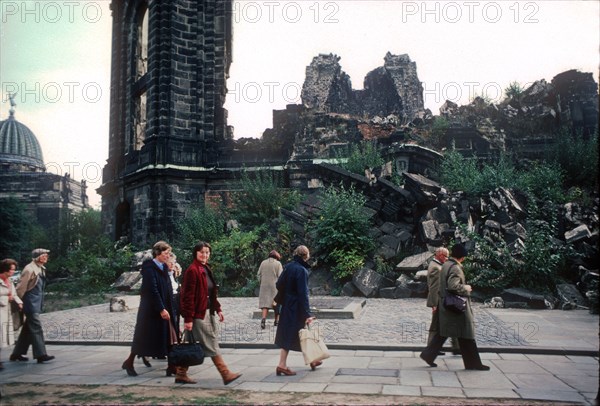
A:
547	355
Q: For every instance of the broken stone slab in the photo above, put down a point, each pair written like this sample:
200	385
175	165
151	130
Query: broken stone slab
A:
127	281
396	292
124	303
516	295
369	282
417	288
578	233
429	231
388	227
350	289
415	263
569	297
390	241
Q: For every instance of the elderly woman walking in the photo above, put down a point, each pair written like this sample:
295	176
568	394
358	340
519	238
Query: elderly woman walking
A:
295	311
8	294
154	329
268	272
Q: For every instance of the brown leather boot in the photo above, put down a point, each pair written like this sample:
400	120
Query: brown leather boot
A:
181	375
226	374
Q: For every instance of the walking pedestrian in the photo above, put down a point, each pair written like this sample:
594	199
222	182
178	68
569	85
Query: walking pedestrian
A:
200	309
268	272
31	291
295	310
460	325
434	270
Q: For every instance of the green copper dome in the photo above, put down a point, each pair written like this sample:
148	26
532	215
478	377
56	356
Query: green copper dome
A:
18	144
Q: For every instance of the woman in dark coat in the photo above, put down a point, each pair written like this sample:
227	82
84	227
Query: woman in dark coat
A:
460	325
153	336
295	311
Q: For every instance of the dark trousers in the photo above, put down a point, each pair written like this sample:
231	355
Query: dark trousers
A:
31	334
434	329
468	349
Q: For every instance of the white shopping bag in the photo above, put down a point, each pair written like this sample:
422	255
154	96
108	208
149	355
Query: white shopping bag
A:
312	344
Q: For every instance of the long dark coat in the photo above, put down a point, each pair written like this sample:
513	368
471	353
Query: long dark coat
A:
152	336
295	309
452	324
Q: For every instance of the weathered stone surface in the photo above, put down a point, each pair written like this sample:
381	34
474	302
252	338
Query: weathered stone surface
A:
569	296
533	300
415	262
369	282
396	292
579	233
118	304
127	281
429	232
350	289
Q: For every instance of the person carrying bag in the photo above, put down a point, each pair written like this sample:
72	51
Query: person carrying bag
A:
184	355
313	347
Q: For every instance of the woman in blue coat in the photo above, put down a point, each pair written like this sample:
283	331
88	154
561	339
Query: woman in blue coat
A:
295	310
153	336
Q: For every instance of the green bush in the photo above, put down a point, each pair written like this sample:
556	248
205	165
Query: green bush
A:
261	198
438	130
234	261
536	267
361	156
199	224
342	225
578	158
345	263
541	180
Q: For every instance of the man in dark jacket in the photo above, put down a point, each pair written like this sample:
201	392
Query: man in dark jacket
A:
31	290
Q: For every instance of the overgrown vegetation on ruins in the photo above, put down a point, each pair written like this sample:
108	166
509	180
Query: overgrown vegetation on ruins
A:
85	262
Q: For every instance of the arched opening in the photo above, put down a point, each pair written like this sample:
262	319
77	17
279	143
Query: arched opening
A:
122	221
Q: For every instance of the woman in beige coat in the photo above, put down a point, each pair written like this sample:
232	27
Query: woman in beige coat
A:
8	294
268	272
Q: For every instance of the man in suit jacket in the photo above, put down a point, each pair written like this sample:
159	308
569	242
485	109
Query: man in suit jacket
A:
31	290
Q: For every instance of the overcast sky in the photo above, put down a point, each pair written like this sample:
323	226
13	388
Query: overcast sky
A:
56	56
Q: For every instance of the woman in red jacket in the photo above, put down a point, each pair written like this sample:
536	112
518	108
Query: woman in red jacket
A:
200	308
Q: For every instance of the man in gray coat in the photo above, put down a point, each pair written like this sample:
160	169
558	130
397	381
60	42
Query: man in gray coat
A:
31	290
460	325
434	270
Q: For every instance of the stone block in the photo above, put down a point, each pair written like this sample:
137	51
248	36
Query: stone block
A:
127	281
578	233
415	263
369	282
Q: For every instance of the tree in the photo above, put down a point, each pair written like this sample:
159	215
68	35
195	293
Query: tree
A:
514	90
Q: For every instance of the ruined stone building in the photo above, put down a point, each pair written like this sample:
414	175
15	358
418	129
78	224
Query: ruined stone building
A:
169	144
170	147
47	197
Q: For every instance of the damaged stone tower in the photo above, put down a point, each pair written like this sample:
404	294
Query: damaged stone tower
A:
170	62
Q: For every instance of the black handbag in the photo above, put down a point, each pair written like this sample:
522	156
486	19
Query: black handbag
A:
454	302
186	354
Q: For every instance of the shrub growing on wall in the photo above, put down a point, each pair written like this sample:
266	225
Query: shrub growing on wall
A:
342	229
261	197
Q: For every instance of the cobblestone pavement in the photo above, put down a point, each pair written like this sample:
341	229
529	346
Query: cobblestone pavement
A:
544	355
382	322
